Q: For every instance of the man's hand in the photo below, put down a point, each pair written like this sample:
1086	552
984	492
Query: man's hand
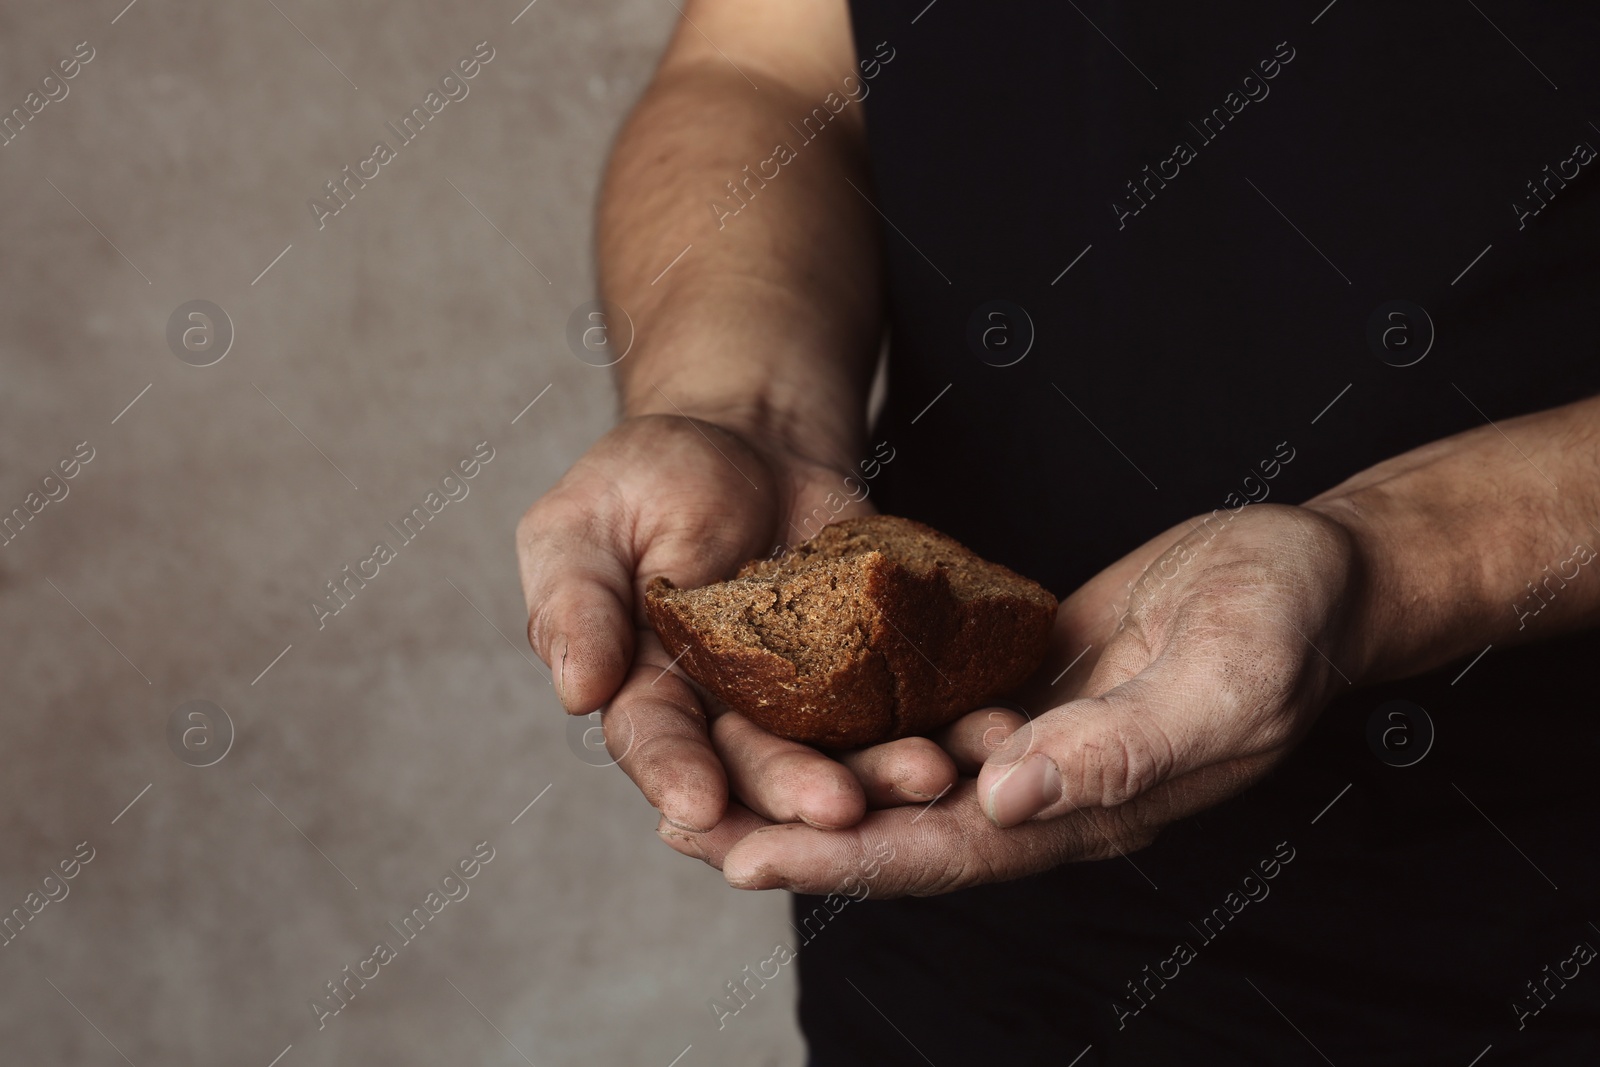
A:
691	500
746	395
1234	639
1234	633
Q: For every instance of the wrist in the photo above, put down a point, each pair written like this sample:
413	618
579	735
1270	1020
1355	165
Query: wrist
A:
778	421
754	355
1416	601
1362	646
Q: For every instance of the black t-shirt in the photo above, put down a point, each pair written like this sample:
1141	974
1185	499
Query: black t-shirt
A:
1148	261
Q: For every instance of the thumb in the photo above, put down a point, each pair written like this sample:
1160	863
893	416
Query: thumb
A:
577	577
1170	719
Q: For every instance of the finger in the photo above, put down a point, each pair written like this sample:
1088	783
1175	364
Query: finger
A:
974	737
951	845
786	781
921	852
577	577
655	730
713	845
1183	712
912	770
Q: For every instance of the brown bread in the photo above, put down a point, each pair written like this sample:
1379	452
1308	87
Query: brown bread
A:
877	628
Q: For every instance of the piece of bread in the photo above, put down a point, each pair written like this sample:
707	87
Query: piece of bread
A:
877	628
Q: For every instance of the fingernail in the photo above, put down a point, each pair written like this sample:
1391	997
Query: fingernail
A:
685	827
1024	791
757	879
559	654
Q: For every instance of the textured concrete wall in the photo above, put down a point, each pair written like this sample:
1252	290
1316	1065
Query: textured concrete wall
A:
379	749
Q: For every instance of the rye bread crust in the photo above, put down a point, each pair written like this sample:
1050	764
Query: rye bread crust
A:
877	628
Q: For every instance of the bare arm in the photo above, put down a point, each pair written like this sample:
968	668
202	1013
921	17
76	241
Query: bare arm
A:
770	322
743	396
1484	537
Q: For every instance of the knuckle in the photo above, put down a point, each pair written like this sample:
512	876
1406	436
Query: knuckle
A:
1121	761
1126	772
530	522
779	784
546	517
621	734
653	761
540	628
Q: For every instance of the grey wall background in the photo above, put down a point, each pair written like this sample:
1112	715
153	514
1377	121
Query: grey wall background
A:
185	554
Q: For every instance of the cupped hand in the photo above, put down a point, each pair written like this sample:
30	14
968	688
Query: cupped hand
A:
691	500
1210	651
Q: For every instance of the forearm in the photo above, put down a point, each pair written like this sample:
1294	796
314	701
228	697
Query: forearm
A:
771	320
1481	538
